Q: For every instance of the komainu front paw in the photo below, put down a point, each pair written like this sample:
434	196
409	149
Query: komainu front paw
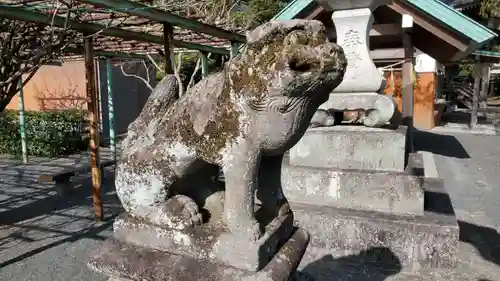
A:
184	211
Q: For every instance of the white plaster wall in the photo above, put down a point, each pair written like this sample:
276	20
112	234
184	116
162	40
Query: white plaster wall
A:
425	63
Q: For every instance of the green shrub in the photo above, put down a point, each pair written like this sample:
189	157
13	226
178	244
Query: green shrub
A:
48	134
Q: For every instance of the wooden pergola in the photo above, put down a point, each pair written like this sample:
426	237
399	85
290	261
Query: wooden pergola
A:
170	26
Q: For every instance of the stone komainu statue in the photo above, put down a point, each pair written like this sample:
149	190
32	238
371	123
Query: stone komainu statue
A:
241	119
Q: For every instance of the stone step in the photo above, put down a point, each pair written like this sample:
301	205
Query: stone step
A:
428	241
351	147
388	192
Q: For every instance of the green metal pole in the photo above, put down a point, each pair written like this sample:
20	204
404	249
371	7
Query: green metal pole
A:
234	49
21	14
21	121
204	64
152	13
111	110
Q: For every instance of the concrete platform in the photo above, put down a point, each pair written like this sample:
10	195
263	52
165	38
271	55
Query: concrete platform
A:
351	147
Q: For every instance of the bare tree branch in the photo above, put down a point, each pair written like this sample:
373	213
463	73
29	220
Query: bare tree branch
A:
146	81
196	68
216	12
25	46
177	72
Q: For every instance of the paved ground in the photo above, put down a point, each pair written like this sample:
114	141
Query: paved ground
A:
470	166
43	237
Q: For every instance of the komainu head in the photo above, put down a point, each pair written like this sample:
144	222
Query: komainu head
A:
283	74
285	59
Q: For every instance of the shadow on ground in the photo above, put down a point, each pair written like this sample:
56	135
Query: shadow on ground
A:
38	200
486	240
461	118
375	264
440	144
34	219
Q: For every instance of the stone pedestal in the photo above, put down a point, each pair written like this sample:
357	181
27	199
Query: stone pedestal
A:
351	190
349	185
210	242
387	192
353	34
126	262
362	85
351	147
142	251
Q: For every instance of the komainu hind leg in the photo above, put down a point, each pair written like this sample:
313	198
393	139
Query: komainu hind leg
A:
146	193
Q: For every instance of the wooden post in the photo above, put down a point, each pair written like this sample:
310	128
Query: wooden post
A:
93	108
485	83
204	64
475	96
168	35
408	99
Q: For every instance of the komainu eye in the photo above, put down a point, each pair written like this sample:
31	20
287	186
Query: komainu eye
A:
296	37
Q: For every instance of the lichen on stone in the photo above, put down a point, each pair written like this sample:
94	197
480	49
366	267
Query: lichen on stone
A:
259	104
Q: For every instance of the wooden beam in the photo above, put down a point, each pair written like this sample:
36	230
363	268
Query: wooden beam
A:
314	13
386	30
152	13
168	35
388	54
407	78
106	54
475	97
430	25
21	14
407	91
93	108
485	83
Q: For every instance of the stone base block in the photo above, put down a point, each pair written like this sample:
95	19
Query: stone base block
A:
210	242
127	262
428	241
388	192
351	147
